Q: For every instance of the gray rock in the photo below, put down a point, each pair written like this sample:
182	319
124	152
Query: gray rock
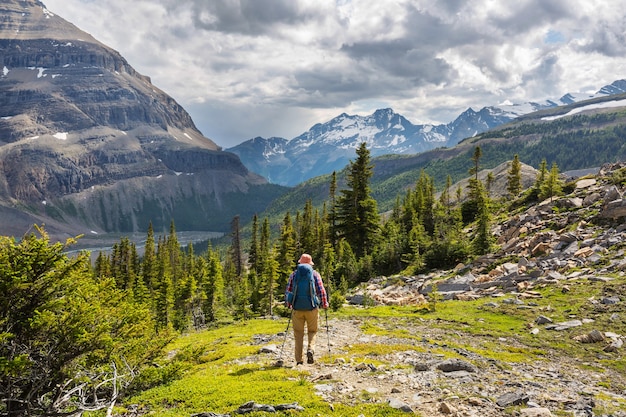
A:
252	406
610	300
564	325
535	412
210	415
269	349
543	320
585	183
591	199
512	398
612	194
453	365
399	405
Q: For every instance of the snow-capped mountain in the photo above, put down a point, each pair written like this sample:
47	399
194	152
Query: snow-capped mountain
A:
329	146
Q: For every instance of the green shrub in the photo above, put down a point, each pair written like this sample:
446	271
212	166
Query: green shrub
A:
336	301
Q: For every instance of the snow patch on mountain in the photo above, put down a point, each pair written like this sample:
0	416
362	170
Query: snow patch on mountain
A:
603	105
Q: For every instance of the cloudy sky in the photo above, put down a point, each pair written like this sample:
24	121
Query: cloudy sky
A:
247	68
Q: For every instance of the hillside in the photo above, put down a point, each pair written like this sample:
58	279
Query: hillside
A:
536	328
90	146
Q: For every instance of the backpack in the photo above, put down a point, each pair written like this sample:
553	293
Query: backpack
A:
304	296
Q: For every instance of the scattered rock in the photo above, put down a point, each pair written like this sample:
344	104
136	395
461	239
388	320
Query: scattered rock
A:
399	405
512	398
272	349
209	415
594	336
535	412
453	365
446	408
564	325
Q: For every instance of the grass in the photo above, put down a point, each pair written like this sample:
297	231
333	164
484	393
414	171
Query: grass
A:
224	371
220	369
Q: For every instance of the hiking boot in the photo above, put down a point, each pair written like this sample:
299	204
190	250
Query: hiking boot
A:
309	357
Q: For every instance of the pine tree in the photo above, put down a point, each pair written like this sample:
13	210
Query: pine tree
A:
489	182
306	229
253	252
149	265
102	267
552	185
483	239
332	213
213	287
286	252
541	177
164	291
236	255
478	153
514	177
357	211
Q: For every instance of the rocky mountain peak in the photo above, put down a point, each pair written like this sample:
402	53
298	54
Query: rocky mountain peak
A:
85	137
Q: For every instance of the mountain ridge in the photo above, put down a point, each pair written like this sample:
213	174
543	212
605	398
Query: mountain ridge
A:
329	146
89	145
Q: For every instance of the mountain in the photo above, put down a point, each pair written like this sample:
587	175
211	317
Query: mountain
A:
89	145
579	137
330	146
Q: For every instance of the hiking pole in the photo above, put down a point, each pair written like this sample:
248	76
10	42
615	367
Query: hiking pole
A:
280	361
327	331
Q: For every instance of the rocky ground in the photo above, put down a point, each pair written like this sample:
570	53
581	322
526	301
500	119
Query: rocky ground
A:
575	239
425	383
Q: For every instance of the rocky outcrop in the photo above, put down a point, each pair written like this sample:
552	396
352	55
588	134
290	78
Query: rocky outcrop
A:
89	143
578	236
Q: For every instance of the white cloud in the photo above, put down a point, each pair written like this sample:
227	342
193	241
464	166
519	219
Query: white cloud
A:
246	68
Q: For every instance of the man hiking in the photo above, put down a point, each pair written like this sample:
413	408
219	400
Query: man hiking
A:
305	293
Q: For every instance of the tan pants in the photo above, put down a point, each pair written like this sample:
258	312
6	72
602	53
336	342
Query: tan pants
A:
300	318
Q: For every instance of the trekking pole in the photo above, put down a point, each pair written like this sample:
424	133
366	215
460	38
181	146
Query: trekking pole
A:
280	361
327	331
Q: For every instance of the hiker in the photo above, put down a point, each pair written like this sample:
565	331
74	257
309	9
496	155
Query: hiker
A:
304	295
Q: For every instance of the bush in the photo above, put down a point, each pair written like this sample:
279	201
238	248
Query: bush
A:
336	301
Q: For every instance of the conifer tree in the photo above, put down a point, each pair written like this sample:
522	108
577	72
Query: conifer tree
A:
478	153
213	286
235	253
514	177
270	275
332	212
445	195
286	252
164	291
552	184
102	267
175	253
483	239
328	262
541	177
489	182
347	266
253	251
357	211
306	229
149	265
64	333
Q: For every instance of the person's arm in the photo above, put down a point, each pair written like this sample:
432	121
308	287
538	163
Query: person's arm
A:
289	288
290	283
319	287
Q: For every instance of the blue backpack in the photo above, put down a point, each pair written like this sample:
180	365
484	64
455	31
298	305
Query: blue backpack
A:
304	296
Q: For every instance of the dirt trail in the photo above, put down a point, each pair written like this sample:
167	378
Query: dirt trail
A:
407	373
